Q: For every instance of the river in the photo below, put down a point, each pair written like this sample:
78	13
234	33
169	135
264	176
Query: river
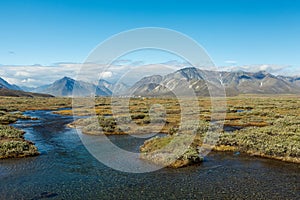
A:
66	170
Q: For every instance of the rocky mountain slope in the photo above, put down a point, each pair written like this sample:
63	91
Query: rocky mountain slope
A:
6	85
186	82
202	82
70	87
10	90
115	88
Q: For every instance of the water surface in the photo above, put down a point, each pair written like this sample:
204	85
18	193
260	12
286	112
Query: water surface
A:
65	170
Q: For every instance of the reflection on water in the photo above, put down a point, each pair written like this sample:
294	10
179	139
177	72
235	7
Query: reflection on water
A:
65	170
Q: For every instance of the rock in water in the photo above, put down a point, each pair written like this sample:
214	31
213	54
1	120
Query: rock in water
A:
45	195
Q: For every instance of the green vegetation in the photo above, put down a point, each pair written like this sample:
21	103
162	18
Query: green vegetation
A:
17	149
269	125
11	104
12	142
11	117
172	151
281	140
10	132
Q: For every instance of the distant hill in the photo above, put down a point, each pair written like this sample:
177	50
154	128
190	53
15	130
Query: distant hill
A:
67	86
19	93
10	90
38	89
295	80
27	89
185	80
181	82
116	89
6	85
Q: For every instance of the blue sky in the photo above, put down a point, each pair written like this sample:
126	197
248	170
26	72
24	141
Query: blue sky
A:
234	32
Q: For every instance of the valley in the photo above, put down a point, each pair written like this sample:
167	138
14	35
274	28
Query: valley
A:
269	128
266	126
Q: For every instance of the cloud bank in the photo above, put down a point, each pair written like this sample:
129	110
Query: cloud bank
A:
37	75
125	71
286	70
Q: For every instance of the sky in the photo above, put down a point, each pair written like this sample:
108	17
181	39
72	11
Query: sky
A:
47	35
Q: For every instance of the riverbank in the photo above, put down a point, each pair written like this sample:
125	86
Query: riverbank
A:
280	141
268	126
161	150
66	170
12	142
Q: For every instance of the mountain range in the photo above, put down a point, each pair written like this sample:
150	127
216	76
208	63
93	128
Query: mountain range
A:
7	89
67	86
181	82
200	80
70	87
5	84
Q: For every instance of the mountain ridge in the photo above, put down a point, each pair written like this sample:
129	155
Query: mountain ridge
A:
70	87
6	85
200	81
180	82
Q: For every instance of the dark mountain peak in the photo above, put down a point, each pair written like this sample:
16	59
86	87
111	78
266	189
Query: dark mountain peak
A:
189	70
186	69
244	76
66	78
67	86
261	75
67	81
188	73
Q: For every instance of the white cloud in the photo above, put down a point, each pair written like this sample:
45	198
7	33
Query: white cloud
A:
22	74
32	76
270	68
231	62
29	80
37	75
134	74
106	75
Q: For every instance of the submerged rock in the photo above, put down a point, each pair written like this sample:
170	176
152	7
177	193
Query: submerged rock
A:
45	195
